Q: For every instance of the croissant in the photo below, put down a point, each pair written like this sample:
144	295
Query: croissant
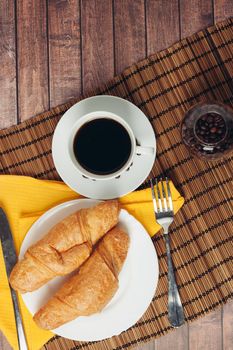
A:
91	288
65	247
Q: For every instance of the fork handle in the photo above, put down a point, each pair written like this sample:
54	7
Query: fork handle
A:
175	309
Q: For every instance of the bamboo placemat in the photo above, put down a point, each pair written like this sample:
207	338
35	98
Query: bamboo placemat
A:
164	86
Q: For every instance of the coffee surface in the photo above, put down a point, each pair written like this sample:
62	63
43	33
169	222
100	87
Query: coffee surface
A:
102	146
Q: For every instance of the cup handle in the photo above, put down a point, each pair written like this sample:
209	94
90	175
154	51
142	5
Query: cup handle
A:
144	150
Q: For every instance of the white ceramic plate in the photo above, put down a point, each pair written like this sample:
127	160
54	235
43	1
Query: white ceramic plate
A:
104	189
137	280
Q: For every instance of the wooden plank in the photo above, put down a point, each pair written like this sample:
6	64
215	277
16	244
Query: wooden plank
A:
178	339
195	15
32	57
57	96
8	98
206	333
97	43
130	33
222	9
148	346
64	50
163	30
228	326
8	105
162	19
3	343
8	91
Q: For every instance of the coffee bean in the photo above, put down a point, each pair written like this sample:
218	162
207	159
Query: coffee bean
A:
209	129
213	130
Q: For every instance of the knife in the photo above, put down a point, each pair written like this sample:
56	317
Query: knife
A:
10	258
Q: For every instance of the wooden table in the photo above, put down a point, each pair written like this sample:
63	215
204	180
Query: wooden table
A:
52	51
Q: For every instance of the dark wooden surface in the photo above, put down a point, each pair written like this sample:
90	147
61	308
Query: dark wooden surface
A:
52	51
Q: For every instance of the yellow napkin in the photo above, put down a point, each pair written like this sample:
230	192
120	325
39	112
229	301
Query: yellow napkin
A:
24	199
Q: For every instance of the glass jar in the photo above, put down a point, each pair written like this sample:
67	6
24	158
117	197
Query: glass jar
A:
207	130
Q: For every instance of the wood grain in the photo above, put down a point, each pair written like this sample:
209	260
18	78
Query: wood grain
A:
206	333
97	43
4	345
8	91
222	9
148	346
64	50
195	15
162	23
136	32
129	24
163	30
8	105
32	57
227	326
179	337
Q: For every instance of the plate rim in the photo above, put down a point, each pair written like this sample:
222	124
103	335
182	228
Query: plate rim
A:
62	206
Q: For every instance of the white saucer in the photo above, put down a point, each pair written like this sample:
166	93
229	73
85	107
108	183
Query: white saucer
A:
137	280
129	180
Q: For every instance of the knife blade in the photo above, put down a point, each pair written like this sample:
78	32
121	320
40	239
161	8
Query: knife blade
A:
10	259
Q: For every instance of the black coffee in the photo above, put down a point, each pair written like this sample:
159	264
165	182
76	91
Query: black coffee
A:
102	146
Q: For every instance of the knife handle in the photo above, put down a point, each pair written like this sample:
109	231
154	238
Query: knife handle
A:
19	324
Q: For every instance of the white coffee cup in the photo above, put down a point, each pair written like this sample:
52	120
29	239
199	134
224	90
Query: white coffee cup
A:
135	149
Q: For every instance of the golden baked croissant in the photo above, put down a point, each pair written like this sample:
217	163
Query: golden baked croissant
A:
65	247
92	287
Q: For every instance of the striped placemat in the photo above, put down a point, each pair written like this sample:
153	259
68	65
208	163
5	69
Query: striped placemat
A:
164	86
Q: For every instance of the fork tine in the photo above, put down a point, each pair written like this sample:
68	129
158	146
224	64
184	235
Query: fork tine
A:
164	195
169	194
159	196
153	195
